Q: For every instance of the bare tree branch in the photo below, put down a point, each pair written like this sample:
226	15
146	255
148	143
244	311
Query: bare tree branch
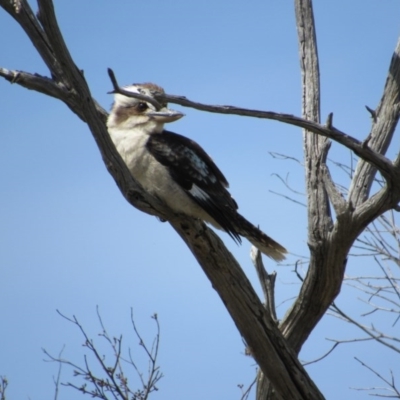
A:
23	14
299	321
336	198
258	329
48	87
267	282
391	384
288	198
246	393
329	242
270	350
286	183
112	380
371	332
57	380
153	374
382	131
384	165
322	357
127	93
274	349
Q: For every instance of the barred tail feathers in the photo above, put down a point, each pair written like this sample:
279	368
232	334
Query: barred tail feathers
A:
259	239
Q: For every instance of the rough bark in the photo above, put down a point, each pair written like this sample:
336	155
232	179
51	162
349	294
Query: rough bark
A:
330	241
274	348
384	121
269	349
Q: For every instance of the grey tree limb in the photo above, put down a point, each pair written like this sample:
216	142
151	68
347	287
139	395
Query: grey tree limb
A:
329	240
360	148
317	283
256	326
269	348
267	282
273	348
384	122
49	87
306	312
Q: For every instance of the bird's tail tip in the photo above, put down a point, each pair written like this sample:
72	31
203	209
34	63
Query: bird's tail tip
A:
270	248
260	240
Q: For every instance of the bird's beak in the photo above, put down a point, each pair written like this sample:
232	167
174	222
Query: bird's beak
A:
165	115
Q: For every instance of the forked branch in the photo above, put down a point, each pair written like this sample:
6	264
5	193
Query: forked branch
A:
269	348
112	379
384	165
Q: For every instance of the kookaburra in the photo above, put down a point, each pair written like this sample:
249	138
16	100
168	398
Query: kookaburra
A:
176	169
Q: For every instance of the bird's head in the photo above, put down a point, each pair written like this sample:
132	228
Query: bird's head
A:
129	112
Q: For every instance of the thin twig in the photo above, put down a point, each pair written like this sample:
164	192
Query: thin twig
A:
286	183
267	281
288	198
127	93
391	383
57	380
322	357
115	382
383	164
246	393
372	333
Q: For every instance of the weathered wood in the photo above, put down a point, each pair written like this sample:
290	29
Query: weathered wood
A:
386	117
267	344
330	241
274	350
259	330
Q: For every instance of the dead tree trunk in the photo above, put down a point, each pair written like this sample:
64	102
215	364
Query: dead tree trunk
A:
274	348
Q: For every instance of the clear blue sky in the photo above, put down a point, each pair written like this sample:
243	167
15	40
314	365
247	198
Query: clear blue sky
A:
68	239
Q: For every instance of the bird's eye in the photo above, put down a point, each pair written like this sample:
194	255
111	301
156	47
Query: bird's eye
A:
142	106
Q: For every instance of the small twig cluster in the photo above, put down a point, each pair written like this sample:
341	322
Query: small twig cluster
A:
380	290
112	381
329	239
246	392
390	391
371	331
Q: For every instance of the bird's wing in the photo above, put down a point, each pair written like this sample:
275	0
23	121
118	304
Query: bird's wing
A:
194	171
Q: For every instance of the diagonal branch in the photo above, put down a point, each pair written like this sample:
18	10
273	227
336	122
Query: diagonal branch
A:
391	384
267	282
307	311
127	93
371	332
266	343
35	82
383	164
270	350
337	200
384	123
329	243
23	14
47	18
49	87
